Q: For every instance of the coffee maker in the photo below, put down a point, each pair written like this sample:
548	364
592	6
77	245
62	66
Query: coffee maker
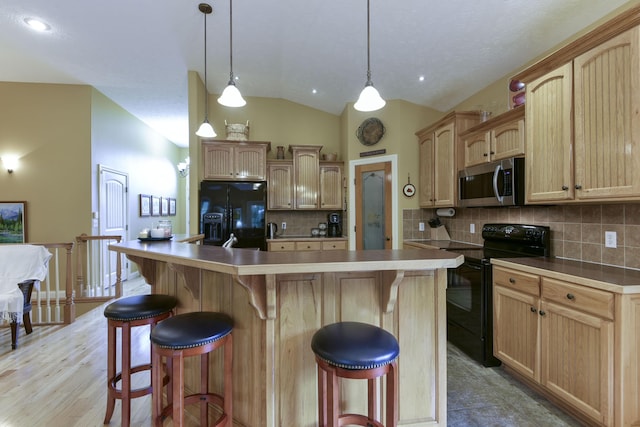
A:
334	227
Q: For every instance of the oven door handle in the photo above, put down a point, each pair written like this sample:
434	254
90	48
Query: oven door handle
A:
495	183
472	266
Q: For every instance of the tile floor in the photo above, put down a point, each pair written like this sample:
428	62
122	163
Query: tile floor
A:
488	397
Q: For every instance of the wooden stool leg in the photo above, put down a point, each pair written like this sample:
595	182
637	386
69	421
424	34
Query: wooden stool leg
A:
333	398
228	379
14	335
111	371
372	399
156	384
126	374
204	388
392	395
178	388
322	397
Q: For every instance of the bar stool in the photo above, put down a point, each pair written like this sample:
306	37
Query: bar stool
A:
126	313
356	351
185	335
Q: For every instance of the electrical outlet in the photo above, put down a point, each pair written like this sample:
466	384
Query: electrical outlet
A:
284	226
472	228
421	226
610	239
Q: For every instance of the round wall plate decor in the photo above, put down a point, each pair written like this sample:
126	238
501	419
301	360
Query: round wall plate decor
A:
409	190
371	131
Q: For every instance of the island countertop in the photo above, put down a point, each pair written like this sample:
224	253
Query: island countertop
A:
293	294
251	262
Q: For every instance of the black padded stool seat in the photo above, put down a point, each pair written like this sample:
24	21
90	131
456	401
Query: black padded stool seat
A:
184	335
126	313
357	351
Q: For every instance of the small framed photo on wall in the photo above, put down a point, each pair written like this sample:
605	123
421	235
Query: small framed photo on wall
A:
145	205
164	206
13	227
155	206
172	206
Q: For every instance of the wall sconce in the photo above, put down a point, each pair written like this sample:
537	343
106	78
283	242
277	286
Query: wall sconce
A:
10	162
183	167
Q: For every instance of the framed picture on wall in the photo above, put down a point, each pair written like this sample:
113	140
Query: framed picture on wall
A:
155	206
13	224
172	206
164	206
145	205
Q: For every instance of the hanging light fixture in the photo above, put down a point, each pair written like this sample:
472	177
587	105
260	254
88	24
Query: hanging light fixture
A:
205	130
370	99
231	96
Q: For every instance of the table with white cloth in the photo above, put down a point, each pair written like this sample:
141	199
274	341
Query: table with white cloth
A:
19	263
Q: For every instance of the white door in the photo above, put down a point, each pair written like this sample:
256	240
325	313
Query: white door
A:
114	214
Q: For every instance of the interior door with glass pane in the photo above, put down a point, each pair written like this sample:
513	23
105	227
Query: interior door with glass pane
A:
373	206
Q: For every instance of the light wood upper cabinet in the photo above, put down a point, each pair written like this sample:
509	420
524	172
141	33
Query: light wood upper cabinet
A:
306	175
331	185
233	160
280	184
498	138
607	125
440	159
582	124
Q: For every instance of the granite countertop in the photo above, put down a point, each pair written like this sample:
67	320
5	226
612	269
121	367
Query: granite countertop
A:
604	277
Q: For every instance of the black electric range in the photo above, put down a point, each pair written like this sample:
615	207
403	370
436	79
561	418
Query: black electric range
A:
469	286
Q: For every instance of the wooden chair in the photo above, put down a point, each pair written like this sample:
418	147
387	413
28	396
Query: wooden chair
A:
27	289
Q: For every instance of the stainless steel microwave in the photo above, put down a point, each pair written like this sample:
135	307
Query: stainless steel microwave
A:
498	183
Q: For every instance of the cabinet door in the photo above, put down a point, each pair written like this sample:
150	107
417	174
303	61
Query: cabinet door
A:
476	148
306	177
549	166
280	185
250	162
515	331
507	140
426	161
331	186
445	168
577	360
218	161
607	119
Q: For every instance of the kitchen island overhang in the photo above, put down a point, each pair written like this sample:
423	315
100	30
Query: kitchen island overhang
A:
294	294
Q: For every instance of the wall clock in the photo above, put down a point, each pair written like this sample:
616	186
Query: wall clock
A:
370	132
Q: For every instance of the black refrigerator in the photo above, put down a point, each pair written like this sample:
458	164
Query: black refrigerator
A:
233	207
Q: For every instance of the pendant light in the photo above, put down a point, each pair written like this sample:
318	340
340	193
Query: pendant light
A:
370	99
205	130
231	96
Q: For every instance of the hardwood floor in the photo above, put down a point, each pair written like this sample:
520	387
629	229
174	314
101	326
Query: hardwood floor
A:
57	378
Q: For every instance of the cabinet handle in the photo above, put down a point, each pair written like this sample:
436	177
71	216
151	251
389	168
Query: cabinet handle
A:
578	187
571	296
533	309
492	152
486	155
512	280
543	313
565	188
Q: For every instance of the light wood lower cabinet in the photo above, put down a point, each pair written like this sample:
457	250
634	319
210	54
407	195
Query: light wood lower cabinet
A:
307	245
571	341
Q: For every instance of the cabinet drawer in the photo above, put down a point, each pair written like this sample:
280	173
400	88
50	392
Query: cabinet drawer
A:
282	246
340	245
594	301
308	246
523	282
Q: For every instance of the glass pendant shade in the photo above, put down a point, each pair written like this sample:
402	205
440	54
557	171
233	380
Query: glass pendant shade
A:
231	96
206	130
369	100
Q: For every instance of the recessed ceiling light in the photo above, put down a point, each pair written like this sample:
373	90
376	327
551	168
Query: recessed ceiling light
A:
421	78
314	91
37	25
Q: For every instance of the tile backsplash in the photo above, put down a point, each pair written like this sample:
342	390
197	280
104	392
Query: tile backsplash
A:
300	223
577	231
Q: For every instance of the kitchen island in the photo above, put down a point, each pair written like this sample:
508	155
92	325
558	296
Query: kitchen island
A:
278	301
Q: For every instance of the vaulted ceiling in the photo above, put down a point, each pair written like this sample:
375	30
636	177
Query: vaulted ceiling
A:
138	52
